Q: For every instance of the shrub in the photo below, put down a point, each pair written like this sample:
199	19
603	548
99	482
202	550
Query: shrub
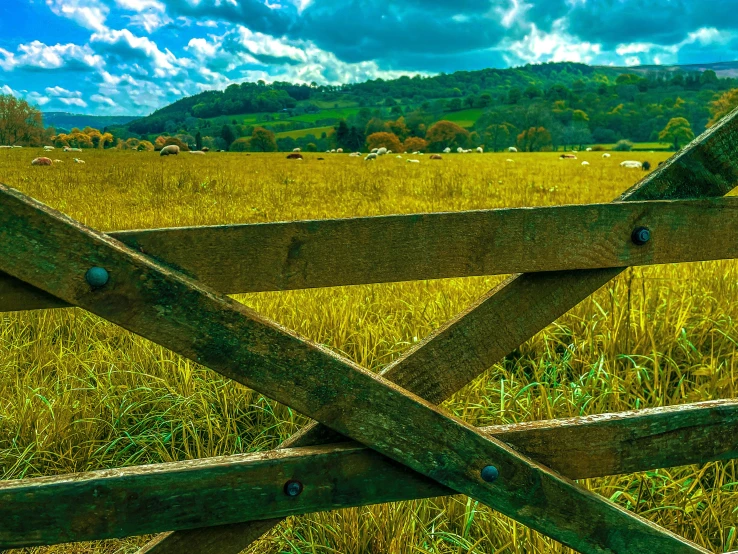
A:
623	146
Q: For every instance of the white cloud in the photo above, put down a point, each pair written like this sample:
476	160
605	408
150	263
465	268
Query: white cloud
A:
41	56
90	14
36	98
102	99
73	102
126	44
556	46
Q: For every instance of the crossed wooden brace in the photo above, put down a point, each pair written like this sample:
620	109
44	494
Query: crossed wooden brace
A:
393	414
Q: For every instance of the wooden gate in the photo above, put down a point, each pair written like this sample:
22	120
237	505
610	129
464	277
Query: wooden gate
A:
170	286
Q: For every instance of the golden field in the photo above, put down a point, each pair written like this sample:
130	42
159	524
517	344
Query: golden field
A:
78	393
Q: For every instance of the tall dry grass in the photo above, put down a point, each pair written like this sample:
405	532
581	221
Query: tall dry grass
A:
78	393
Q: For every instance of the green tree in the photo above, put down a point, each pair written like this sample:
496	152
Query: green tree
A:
20	123
198	141
226	133
343	135
263	141
678	131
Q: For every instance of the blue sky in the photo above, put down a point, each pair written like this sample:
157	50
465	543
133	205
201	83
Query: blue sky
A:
133	56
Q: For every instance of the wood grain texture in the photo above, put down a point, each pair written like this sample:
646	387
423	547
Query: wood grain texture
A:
182	495
307	254
510	314
53	252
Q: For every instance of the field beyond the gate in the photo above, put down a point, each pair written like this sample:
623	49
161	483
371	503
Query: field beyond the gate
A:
78	393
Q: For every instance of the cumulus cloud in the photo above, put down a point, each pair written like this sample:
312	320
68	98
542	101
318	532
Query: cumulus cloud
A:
38	56
90	14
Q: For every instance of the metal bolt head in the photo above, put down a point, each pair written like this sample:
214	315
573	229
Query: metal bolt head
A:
641	235
97	277
293	488
490	474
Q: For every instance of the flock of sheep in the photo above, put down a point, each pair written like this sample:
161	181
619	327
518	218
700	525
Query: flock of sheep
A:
174	150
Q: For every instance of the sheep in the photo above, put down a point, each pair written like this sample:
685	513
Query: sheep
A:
646	166
355	154
413	161
297	149
68	149
199	152
371	156
436	157
333	151
339	150
631	164
49	148
58	161
294	156
205	149
374	150
480	150
512	149
585	163
41	161
459	150
5	147
399	157
16	146
382	151
589	149
447	150
171	150
567	157
605	155
78	161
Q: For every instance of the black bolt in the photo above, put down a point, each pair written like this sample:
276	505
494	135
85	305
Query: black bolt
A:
490	474
641	235
97	277
293	488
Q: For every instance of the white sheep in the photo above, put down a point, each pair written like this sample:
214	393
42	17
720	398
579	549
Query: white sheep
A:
480	150
589	149
459	150
339	151
374	150
585	163
371	156
447	150
605	155
413	161
200	152
631	164
78	161
297	149
512	149
382	151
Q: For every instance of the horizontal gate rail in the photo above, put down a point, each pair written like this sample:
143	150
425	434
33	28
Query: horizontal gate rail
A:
326	253
163	497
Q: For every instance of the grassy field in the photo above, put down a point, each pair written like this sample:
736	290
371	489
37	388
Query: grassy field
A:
78	393
464	118
315	131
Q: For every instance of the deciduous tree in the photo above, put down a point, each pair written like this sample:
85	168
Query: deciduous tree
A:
678	131
20	123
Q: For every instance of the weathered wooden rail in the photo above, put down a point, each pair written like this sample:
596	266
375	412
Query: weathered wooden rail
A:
382	437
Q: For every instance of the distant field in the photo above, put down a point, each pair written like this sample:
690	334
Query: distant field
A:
326	114
331	105
464	118
317	131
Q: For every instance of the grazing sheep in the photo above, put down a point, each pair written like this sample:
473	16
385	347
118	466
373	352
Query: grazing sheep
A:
49	148
436	157
399	157
585	163
512	149
68	149
171	150
382	151
339	150
17	147
297	149
5	147
447	150
480	150
630	164
606	155
646	166
567	157
41	161
413	161
294	156
333	151
371	156
58	161
205	149
589	149
374	150
199	152
459	150
355	155
78	161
